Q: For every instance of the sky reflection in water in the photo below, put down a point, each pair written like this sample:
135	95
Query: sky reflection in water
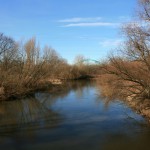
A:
74	117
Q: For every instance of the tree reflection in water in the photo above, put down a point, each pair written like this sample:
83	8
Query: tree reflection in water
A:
72	116
60	92
35	112
26	114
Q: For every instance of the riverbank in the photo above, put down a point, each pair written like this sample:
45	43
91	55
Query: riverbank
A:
140	106
110	88
49	84
42	85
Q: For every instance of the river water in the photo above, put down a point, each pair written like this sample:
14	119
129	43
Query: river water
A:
73	117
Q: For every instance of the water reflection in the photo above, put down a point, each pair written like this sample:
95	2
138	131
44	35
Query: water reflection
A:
26	114
35	112
49	97
73	116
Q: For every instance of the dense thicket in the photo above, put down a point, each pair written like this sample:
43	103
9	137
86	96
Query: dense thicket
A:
25	67
129	73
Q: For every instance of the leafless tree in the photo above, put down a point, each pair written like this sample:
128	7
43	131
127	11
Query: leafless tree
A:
133	69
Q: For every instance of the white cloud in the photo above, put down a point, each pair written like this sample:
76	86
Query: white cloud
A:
107	43
79	19
87	22
92	24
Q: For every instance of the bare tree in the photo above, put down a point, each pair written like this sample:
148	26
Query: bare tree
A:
133	69
144	10
6	44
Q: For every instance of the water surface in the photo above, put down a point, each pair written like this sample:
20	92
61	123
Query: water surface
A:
74	117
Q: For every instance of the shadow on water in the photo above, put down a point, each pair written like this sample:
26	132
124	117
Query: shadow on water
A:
26	114
34	112
73	116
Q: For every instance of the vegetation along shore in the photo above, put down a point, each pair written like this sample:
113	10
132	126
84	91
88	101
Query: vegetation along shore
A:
25	67
127	74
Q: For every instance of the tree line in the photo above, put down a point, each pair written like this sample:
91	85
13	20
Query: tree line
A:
25	67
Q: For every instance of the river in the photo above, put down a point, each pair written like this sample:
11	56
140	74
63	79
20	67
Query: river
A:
74	117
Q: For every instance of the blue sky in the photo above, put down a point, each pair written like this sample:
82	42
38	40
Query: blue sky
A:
72	27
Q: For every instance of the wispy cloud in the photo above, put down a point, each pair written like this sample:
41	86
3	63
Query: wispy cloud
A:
92	24
87	22
79	19
107	43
